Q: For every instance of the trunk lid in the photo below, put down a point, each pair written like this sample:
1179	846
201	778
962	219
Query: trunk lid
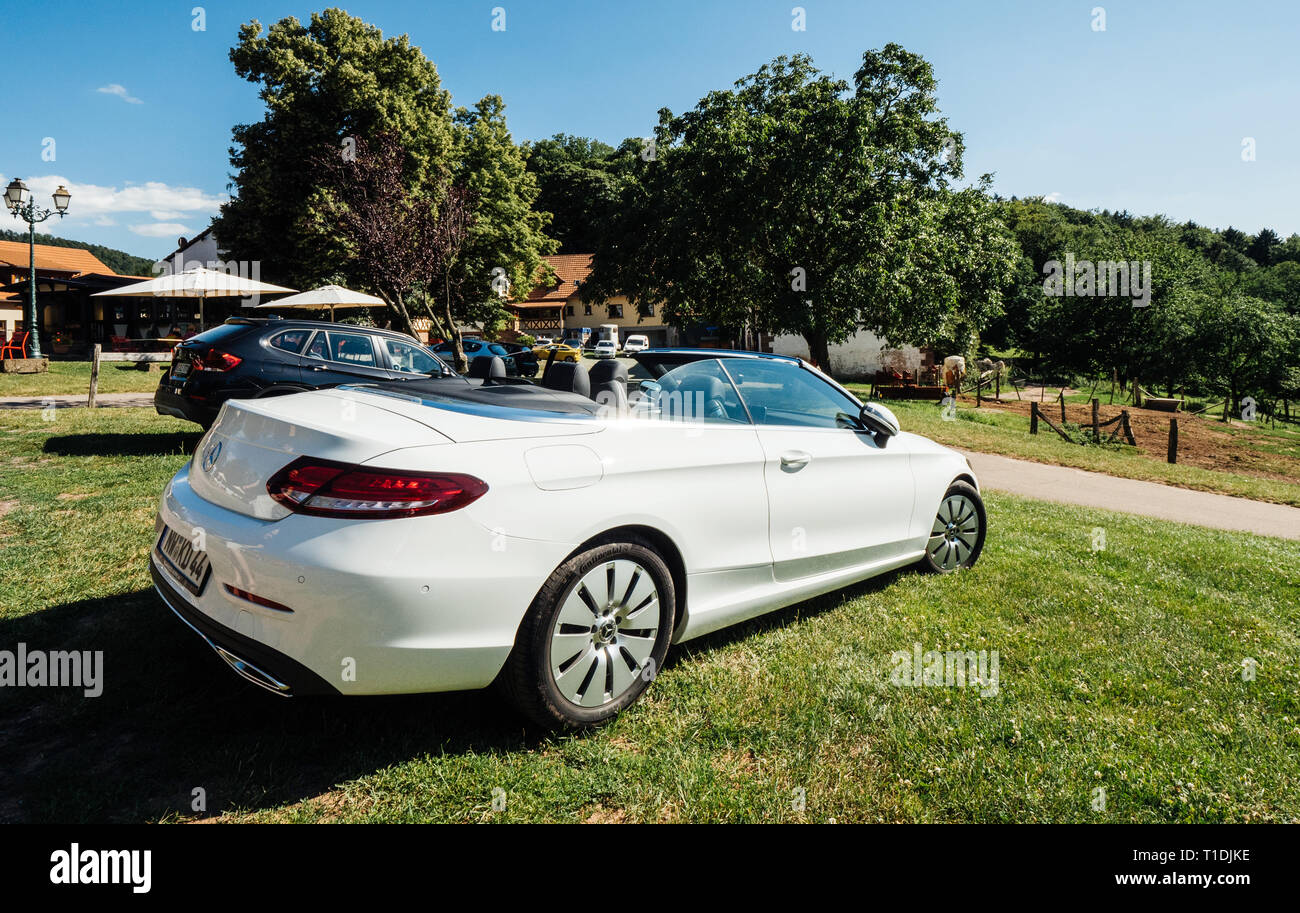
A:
253	439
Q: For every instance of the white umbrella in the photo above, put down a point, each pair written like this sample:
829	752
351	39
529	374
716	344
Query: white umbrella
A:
327	296
196	282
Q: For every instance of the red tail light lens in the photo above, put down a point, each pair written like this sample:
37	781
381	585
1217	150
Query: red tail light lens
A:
216	360
325	488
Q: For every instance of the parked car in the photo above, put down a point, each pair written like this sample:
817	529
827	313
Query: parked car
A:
563	352
635	343
248	357
525	360
542	341
430	542
574	342
606	348
476	349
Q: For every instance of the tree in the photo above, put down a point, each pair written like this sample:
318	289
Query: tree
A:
398	241
506	241
803	203
324	85
1263	247
577	185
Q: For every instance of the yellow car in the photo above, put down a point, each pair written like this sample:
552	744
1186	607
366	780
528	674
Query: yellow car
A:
562	353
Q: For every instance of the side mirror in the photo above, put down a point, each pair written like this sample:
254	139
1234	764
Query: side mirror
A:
879	419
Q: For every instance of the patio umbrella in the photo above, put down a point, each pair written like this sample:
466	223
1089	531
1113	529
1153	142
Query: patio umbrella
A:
327	296
197	282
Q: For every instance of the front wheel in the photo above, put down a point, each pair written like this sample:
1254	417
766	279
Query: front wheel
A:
594	638
957	534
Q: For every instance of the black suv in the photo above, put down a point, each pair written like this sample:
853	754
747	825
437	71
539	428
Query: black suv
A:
249	357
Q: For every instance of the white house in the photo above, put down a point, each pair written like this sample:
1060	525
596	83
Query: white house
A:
860	356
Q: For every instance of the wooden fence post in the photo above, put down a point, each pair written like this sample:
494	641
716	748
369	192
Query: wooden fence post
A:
1062	399
1033	417
94	376
978	386
1096	428
1173	440
1128	429
997	387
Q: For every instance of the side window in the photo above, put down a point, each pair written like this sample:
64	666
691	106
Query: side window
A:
352	349
290	340
783	394
696	392
470	345
411	359
318	347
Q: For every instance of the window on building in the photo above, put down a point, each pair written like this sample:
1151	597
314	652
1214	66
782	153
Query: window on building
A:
649	310
616	310
586	310
568	311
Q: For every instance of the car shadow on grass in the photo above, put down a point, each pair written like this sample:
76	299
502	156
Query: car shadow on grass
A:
156	444
173	717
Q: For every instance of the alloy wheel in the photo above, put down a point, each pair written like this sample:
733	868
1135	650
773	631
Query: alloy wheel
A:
605	633
955	532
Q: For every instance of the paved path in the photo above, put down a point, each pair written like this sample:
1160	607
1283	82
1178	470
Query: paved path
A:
106	400
1151	499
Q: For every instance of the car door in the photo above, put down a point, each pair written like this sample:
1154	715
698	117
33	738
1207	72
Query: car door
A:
837	499
282	363
341	357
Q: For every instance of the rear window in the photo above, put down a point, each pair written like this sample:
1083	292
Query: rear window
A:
290	340
221	333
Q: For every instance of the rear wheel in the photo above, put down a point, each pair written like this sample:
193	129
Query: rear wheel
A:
594	638
957	534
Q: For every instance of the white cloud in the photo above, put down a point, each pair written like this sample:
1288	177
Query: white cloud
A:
1053	197
94	204
160	229
120	91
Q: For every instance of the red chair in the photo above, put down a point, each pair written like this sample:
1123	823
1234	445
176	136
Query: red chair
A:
16	346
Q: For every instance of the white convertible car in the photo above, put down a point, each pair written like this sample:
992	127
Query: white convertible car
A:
442	534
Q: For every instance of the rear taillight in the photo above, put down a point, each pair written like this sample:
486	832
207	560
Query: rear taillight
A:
325	488
216	360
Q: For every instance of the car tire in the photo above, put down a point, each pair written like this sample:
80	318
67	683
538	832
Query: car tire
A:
957	534
608	666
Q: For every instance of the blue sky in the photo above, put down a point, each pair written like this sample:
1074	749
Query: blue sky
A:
1148	115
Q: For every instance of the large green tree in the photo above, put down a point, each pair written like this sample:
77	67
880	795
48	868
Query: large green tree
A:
803	203
324	85
578	184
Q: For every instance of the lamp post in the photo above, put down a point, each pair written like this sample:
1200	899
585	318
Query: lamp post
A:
19	200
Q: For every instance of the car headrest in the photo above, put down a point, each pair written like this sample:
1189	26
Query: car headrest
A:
488	369
609	385
703	392
567	377
602	372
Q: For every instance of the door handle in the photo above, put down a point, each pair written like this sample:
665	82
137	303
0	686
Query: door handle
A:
794	460
318	367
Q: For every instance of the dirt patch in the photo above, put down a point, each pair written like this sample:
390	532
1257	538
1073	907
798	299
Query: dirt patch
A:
7	506
606	816
73	495
1205	443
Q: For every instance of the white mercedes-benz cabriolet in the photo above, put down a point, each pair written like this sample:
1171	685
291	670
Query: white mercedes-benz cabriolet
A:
441	534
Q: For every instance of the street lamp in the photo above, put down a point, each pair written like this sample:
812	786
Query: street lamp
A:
19	201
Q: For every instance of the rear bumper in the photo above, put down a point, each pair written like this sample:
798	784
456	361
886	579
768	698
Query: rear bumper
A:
251	660
376	607
167	402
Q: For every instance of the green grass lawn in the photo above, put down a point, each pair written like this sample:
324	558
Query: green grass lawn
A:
1007	433
1119	669
73	378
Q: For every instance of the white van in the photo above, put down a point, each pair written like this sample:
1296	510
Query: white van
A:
635	343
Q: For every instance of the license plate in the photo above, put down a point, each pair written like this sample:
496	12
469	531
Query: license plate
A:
184	563
181	369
